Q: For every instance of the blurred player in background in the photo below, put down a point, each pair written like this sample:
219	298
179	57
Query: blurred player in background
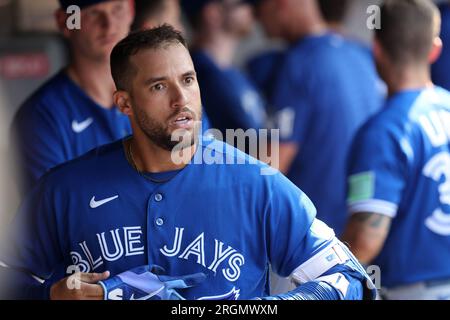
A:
150	14
128	205
263	67
440	70
262	70
74	111
333	13
325	89
230	100
399	165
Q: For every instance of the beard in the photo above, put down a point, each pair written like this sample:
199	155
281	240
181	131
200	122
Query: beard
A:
159	133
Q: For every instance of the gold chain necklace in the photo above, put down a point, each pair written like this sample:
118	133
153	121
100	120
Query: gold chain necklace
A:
141	173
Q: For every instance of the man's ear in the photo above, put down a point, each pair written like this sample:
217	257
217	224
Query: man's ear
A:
436	50
377	50
123	102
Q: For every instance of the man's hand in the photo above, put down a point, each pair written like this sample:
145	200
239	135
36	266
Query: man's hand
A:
79	286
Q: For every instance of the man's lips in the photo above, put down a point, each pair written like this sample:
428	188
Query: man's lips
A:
182	120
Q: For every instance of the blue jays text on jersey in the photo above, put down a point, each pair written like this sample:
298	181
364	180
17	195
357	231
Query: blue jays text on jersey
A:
399	166
326	88
228	221
61	122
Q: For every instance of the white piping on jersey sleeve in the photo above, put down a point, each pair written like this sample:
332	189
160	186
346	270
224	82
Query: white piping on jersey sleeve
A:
374	205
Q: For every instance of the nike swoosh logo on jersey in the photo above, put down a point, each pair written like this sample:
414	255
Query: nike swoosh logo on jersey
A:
95	204
78	127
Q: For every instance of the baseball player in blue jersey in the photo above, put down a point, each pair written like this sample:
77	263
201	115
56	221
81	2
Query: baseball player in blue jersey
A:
74	112
439	70
150	14
168	214
399	165
230	99
325	89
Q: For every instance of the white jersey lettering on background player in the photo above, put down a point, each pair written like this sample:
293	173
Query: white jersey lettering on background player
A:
437	128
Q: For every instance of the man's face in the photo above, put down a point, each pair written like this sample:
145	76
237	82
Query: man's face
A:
165	96
102	26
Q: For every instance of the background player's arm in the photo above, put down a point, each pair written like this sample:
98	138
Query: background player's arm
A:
288	151
378	168
366	233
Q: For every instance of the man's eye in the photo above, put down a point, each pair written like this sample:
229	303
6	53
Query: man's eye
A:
158	87
92	14
189	80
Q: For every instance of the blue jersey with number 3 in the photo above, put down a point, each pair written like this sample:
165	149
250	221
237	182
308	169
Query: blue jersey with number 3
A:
400	167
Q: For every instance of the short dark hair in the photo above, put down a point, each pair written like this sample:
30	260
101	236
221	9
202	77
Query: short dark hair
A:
146	9
122	69
333	10
408	28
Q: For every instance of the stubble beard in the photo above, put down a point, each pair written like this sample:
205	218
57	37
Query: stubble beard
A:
159	134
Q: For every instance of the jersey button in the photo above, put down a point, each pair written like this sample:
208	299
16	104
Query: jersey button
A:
159	222
158	197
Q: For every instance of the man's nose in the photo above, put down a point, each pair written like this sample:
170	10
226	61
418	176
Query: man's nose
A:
179	97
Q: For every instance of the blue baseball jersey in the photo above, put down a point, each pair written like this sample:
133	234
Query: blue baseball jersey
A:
61	122
225	220
262	69
440	69
326	88
399	166
230	100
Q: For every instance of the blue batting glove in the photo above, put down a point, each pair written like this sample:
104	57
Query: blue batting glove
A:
146	283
